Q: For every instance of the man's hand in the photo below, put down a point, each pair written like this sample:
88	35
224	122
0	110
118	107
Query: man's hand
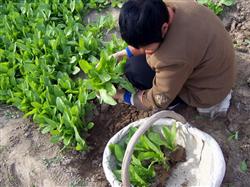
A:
137	99
119	95
119	55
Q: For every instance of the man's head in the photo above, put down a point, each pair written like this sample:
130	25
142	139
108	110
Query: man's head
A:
143	23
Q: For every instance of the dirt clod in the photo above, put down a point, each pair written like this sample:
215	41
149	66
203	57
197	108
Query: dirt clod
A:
179	155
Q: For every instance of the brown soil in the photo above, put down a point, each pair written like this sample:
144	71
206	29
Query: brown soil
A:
29	159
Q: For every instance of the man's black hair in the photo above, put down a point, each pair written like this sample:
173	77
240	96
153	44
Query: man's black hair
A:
140	21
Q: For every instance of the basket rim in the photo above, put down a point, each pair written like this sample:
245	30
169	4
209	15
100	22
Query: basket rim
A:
123	132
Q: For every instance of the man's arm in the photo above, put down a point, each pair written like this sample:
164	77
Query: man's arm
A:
167	84
128	52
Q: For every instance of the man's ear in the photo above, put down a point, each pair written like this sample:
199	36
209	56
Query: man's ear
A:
164	29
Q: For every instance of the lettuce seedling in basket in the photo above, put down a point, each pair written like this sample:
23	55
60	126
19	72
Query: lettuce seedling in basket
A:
150	158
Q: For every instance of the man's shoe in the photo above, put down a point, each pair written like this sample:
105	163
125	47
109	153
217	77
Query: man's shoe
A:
218	110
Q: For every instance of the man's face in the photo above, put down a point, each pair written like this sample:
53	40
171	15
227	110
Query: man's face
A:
150	48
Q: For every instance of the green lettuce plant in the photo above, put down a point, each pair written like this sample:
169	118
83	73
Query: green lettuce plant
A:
42	44
151	151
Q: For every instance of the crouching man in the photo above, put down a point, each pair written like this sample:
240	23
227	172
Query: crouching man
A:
179	52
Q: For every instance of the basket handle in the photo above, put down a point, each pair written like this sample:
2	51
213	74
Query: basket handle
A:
141	130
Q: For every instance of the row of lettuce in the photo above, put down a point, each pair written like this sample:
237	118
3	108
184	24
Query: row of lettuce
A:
43	45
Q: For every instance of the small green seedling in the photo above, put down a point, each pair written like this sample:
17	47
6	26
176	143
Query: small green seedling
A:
170	137
243	166
234	136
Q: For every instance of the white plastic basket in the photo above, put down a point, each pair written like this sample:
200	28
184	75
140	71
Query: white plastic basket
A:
204	165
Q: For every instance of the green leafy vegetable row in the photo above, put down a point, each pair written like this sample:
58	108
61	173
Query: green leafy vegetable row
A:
41	45
149	153
216	6
99	4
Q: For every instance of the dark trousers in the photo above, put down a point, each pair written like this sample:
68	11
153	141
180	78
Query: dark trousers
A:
141	75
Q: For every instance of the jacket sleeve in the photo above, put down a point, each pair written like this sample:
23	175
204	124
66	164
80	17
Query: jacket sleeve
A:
168	82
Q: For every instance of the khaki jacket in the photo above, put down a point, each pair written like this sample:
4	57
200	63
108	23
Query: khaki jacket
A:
196	60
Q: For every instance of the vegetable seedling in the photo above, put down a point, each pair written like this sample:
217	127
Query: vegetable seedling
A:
151	152
243	166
